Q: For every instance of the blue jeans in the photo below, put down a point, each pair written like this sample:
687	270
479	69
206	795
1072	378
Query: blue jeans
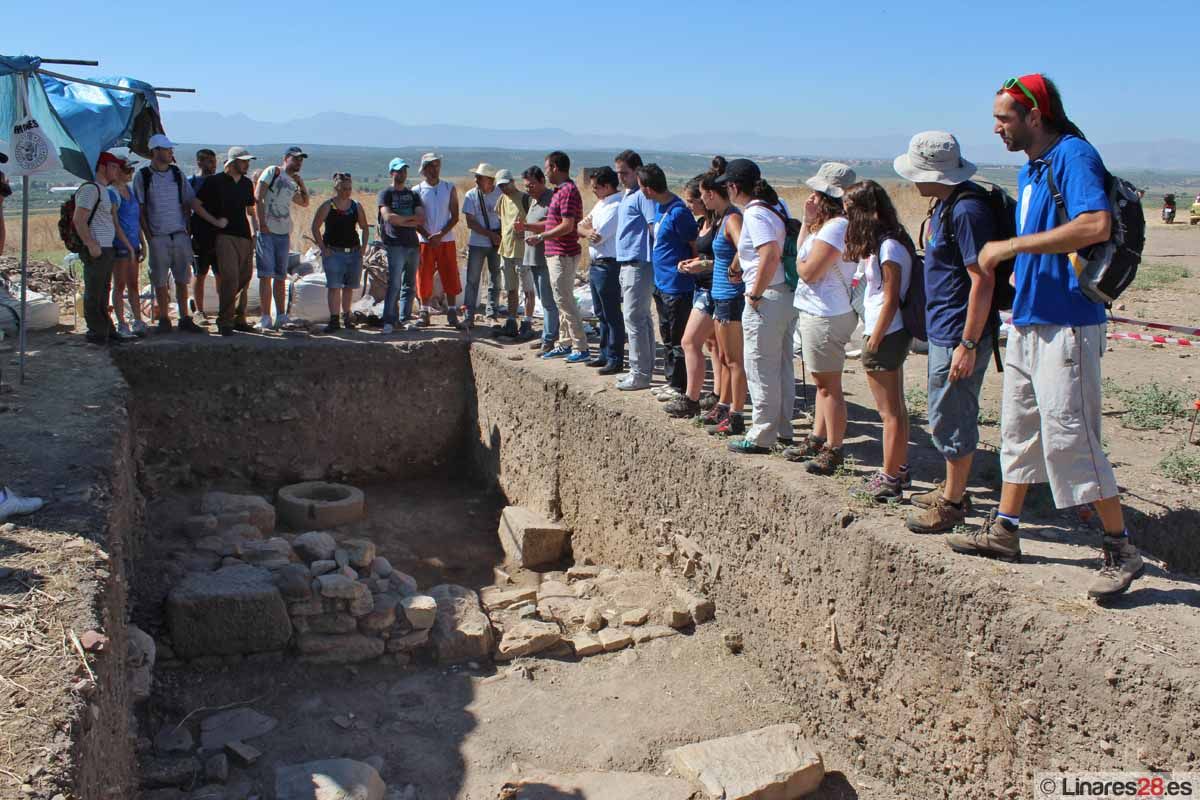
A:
475	259
402	275
343	270
605	279
271	252
954	405
545	293
637	288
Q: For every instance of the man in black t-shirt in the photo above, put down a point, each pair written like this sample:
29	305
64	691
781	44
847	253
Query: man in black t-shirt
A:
230	195
400	213
204	236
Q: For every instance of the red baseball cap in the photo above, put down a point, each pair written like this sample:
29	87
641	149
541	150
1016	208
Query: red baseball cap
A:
108	158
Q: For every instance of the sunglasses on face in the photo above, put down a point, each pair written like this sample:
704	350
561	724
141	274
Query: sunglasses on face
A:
1016	83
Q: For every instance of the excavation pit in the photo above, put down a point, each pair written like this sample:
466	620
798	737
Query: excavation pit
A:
914	672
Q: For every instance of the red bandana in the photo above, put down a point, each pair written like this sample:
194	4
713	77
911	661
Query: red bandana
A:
1036	85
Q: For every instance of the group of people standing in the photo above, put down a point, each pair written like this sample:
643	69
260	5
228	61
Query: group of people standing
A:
729	270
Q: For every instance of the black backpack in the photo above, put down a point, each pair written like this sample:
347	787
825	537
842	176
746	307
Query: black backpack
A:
176	173
1106	269
912	305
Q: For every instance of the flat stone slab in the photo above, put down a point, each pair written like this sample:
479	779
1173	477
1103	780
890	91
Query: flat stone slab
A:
258	512
331	779
531	540
317	504
603	786
234	610
338	648
234	725
772	763
527	638
461	631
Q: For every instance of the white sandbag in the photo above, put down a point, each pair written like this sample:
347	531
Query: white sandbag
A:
212	299
583	299
308	298
41	311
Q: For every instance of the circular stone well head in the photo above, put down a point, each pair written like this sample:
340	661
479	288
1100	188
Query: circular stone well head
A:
318	504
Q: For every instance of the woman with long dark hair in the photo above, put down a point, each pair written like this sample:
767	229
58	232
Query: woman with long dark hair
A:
878	242
826	317
729	302
769	319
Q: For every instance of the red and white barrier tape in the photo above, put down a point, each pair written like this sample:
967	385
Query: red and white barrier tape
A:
1145	337
1162	326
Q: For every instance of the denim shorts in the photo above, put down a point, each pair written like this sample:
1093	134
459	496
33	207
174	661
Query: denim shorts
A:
271	253
343	270
729	310
954	405
702	301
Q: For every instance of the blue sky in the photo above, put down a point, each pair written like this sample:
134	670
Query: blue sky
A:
776	67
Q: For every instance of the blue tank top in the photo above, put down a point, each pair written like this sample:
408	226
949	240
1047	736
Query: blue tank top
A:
723	253
129	215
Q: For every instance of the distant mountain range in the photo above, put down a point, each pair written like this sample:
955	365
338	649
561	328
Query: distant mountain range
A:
374	131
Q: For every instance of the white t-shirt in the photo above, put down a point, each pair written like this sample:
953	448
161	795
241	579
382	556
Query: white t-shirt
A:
829	296
485	216
102	227
760	225
604	222
278	201
436	202
890	250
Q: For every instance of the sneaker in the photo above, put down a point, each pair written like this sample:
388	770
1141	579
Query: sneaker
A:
628	384
423	319
188	325
1122	563
244	327
682	407
509	328
612	368
708	400
541	345
139	328
747	448
13	505
668	393
557	352
714	415
348	322
578	357
808	448
905	478
526	330
880	488
280	321
164	325
123	331
264	324
387	328
451	318
599	361
225	330
934	495
731	425
993	539
825	462
941	516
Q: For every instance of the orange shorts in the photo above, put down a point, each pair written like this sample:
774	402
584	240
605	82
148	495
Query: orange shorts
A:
440	259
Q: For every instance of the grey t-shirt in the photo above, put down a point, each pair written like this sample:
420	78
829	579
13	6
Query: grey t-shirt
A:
535	254
278	201
87	196
163	210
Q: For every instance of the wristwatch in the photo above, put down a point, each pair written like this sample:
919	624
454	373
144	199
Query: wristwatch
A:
754	297
970	344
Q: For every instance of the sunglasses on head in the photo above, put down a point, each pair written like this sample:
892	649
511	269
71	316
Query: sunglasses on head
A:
342	176
1016	83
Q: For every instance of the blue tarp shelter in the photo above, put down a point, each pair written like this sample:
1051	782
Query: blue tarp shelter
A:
81	117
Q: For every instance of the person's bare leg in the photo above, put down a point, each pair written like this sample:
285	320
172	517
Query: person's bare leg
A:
264	296
162	297
889	401
830	421
120	270
181	297
958	471
132	293
720	379
335	297
513	302
1012	498
347	300
692	343
198	291
280	295
1111	515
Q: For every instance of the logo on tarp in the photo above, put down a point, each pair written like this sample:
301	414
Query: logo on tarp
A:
31	148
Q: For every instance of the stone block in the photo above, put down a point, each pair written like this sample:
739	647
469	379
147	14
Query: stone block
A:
403	582
273	550
216	768
461	631
676	616
531	540
581	572
343	648
378	621
322	567
420	610
700	608
258	512
230	611
408	642
380	567
635	617
234	725
361	553
328	623
614	639
363	602
773	763
585	645
242	754
331	779
648	633
496	598
167	771
602	786
314	546
317	504
527	638
338	586
200	525
294	582
140	654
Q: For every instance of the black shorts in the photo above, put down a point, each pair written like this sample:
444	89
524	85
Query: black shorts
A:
729	310
891	353
206	261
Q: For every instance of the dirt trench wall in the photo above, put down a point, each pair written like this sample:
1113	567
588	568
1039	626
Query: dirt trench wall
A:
267	412
939	676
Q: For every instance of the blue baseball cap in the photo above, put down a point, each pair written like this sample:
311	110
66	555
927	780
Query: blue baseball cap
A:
397	165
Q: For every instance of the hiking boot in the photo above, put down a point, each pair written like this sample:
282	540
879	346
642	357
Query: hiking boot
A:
941	516
164	325
628	384
715	414
930	498
611	368
599	361
825	462
280	321
526	330
880	488
509	329
264	324
13	505
451	318
388	328
348	322
808	448
730	425
1122	563
188	325
905	478
244	327
332	326
423	319
682	407
225	330
708	400
123	331
138	328
995	538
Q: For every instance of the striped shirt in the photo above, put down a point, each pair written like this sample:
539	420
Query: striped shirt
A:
566	202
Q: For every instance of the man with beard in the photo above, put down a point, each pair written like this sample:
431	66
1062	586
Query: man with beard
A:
230	195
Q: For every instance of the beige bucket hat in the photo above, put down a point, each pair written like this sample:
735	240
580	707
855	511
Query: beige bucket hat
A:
833	179
934	157
484	169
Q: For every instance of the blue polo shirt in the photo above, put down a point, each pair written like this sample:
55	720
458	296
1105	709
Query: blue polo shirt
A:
947	282
1047	291
675	230
635	215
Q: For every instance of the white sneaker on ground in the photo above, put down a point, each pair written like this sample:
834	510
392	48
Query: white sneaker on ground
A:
387	328
139	328
667	394
13	505
280	321
265	322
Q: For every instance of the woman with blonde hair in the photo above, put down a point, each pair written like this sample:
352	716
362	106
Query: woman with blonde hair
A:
342	247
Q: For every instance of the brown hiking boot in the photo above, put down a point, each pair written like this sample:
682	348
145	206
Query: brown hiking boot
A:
941	516
928	499
806	449
423	319
993	539
1122	563
825	462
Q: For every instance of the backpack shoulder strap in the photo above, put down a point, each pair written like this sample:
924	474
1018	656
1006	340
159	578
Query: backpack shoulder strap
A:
96	207
144	172
1059	201
177	174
